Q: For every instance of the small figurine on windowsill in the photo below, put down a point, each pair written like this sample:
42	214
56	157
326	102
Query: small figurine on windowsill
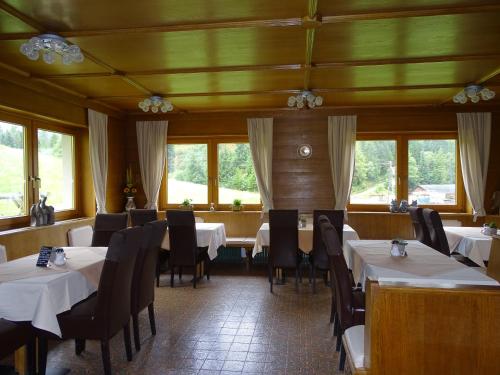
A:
403	207
394	206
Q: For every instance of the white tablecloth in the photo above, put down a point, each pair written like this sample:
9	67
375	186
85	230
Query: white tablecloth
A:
470	242
3	254
305	237
212	235
39	299
423	265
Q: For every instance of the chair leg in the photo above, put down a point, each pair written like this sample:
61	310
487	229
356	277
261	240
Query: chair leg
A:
31	357
151	312
180	273
79	346
314	279
172	274
106	359
158	273
42	355
195	276
296	279
135	327
270	272
342	358
336	324
207	267
128	342
340	332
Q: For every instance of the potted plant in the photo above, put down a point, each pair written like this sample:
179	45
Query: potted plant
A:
187	204
237	206
490	229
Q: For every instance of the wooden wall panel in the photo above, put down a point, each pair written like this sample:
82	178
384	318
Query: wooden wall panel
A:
26	241
493	181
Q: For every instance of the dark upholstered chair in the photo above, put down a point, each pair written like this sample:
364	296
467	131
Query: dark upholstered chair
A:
139	217
318	256
350	304
184	250
418	221
104	314
284	243
15	335
143	293
105	225
434	224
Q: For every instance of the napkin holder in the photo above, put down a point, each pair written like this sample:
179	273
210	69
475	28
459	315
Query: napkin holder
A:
398	248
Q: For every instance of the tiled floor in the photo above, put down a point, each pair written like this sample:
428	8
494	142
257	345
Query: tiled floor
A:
228	325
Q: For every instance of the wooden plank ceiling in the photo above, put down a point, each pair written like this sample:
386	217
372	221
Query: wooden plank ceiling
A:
209	55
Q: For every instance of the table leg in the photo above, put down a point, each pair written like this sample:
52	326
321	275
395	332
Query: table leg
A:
20	361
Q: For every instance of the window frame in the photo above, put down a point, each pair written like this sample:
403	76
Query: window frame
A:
31	127
212	173
402	141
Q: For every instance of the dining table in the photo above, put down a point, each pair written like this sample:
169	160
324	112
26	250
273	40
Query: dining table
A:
211	235
471	242
371	259
262	239
39	294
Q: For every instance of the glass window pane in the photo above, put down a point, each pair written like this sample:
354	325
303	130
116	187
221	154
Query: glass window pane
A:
374	180
12	170
236	174
187	173
432	171
56	169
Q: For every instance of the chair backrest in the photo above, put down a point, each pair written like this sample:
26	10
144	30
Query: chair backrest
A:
105	225
434	224
418	221
81	236
341	282
145	266
115	286
334	217
182	234
3	254
284	238
142	216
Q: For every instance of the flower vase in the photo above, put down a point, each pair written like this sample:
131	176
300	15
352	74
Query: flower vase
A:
130	205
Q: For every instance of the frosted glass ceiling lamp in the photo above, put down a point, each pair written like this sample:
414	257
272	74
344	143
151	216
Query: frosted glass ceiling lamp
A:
156	103
305	99
475	93
51	46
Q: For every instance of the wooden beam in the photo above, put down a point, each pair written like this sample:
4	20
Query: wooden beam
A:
22	17
285	22
310	33
411	12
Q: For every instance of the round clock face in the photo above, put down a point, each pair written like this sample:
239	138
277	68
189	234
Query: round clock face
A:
304	151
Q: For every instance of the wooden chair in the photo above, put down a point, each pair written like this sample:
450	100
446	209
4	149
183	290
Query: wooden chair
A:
436	231
284	243
139	217
14	336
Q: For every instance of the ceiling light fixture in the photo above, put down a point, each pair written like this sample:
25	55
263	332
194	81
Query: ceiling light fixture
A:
156	103
51	45
475	93
305	99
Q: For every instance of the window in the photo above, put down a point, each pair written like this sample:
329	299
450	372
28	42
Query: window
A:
417	167
432	171
12	170
37	159
236	174
187	173
56	168
211	171
374	179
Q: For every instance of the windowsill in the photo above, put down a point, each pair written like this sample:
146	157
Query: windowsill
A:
56	224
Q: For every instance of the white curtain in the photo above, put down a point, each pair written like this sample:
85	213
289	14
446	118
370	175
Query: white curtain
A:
260	136
474	133
151	142
98	145
341	147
